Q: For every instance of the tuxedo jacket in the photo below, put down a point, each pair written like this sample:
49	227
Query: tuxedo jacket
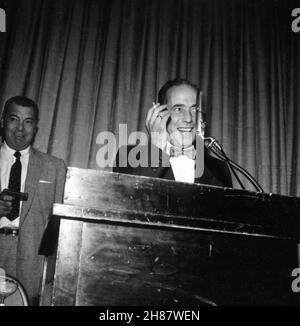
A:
45	185
215	172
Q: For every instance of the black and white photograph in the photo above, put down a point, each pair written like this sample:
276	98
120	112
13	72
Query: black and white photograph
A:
149	156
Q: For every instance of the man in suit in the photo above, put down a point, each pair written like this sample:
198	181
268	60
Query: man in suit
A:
171	124
232	271
172	154
42	176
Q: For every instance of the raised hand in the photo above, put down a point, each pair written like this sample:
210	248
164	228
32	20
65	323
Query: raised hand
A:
156	124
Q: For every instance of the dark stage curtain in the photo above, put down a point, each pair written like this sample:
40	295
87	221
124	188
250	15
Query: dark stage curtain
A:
92	65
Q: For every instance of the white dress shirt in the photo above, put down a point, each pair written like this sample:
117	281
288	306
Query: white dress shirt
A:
7	159
183	167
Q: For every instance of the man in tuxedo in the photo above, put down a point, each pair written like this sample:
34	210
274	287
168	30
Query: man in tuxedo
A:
172	153
232	271
171	124
42	177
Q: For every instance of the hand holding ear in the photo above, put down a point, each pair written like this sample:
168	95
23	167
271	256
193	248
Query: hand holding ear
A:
156	124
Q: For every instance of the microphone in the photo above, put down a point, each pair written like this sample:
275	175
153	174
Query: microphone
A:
199	137
212	144
200	116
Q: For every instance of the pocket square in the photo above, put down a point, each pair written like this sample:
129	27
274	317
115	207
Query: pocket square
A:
45	181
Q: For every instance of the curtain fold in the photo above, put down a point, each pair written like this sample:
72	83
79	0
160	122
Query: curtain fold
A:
93	65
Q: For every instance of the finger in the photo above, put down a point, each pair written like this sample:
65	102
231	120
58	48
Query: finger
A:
165	118
7	198
8	203
152	117
161	108
162	117
164	113
150	113
5	211
5	205
157	114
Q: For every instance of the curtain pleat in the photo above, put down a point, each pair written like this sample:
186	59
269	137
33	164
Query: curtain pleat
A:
93	65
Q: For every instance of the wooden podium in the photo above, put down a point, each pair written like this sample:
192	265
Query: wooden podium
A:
135	241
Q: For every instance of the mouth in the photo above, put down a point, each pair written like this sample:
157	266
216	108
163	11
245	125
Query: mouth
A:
185	129
19	137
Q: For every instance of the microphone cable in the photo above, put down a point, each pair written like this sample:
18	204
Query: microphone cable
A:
217	149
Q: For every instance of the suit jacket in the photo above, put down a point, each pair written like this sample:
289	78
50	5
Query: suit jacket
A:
45	186
215	171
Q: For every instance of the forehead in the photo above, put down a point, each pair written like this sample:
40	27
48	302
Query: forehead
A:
181	94
21	111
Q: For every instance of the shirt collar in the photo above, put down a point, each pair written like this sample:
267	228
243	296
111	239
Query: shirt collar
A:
5	149
169	146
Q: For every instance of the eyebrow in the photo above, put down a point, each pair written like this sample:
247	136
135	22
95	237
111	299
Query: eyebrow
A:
175	105
13	115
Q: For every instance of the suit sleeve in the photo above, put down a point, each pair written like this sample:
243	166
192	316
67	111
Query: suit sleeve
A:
60	181
49	240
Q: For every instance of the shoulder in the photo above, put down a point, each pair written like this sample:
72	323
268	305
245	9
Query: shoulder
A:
213	161
48	159
216	170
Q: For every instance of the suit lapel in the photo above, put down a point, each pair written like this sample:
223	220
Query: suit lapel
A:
166	173
31	183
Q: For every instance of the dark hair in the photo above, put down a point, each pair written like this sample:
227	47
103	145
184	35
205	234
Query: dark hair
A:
22	101
162	94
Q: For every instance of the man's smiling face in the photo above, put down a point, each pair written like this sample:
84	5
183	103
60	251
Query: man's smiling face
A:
181	102
20	126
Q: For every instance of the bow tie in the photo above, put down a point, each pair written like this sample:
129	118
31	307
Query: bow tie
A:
190	152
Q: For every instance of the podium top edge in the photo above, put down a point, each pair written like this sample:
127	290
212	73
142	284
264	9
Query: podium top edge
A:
205	187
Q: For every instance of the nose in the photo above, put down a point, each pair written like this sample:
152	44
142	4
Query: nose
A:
188	117
20	125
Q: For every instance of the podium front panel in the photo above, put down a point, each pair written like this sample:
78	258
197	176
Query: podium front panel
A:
104	264
128	240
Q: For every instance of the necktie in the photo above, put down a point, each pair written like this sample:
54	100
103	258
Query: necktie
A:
190	152
15	185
